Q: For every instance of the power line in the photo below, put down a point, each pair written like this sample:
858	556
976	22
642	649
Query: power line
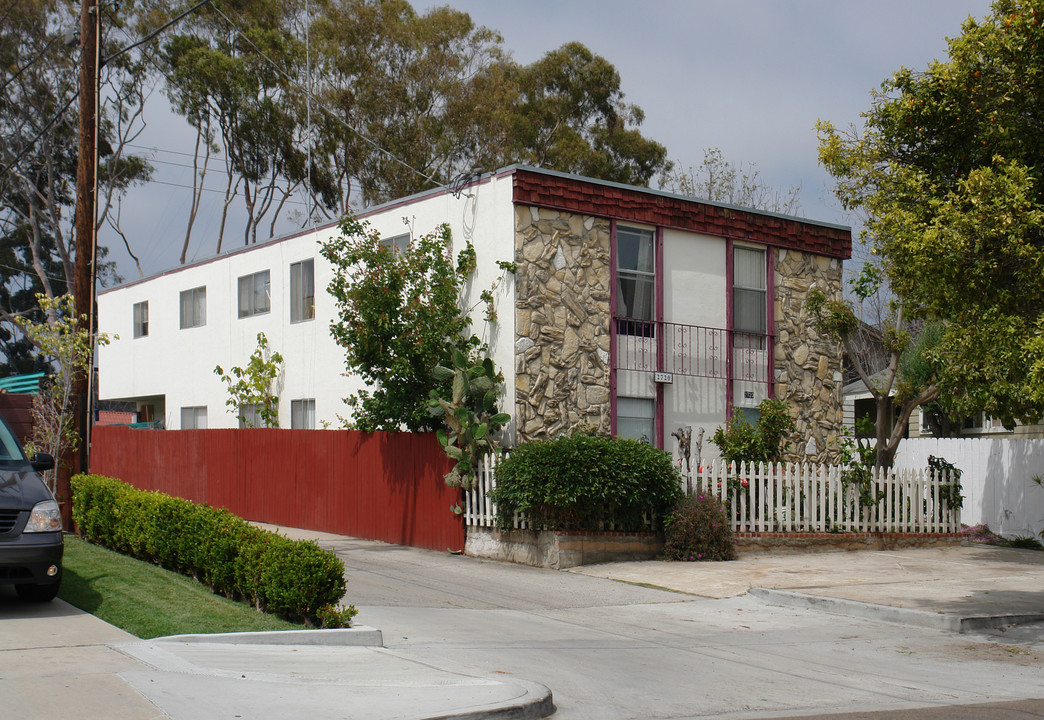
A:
308	94
29	64
212	190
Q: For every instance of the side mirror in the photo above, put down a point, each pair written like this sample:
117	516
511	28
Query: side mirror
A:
42	461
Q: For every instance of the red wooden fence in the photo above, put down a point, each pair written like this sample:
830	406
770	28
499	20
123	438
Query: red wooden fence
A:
379	486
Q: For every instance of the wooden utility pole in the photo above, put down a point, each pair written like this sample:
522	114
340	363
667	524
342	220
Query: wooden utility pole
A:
86	203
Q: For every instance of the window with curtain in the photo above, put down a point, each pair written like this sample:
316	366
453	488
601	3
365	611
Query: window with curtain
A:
302	291
194	307
635	281
254	294
141	319
250	416
194	418
302	414
636	418
749	312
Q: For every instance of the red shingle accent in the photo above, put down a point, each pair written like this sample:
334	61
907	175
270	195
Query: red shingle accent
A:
592	198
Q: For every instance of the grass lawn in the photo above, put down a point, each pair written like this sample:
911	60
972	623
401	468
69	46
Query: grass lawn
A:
148	601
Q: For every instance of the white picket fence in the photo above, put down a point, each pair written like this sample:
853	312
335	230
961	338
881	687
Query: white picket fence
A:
789	498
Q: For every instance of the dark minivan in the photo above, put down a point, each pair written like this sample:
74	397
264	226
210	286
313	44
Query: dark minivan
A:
30	523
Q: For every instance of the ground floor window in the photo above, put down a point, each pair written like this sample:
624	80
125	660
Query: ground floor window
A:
194	418
302	414
250	416
636	418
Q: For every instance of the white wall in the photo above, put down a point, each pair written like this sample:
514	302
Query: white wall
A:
997	479
694	293
179	364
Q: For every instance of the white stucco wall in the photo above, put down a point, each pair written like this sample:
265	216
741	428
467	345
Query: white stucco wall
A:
178	365
694	293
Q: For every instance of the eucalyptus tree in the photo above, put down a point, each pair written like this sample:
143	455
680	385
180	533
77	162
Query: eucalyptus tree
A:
38	151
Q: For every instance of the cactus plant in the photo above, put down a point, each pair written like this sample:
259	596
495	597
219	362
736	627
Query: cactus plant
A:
469	415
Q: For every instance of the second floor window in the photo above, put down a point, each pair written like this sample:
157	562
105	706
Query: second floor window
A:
749	309
141	319
397	244
254	294
302	291
635	274
194	307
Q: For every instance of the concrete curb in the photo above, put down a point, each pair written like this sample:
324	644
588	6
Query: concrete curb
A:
854	608
358	636
886	613
536	704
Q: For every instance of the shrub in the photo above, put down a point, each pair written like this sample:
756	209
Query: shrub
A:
292	578
699	529
586	481
950	493
739	441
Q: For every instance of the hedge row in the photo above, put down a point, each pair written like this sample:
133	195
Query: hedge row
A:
294	579
586	481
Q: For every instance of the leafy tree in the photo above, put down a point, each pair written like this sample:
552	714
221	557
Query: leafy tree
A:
400	317
719	180
38	152
877	353
67	348
564	112
398	85
233	74
948	174
254	385
403	102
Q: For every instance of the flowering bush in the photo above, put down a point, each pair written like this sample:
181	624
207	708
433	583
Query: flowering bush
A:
699	529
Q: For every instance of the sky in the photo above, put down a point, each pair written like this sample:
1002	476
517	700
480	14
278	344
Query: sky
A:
749	77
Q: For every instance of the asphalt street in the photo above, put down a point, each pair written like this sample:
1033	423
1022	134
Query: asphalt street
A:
470	638
615	651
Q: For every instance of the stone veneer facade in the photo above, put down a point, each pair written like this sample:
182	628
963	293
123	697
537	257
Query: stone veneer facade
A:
562	333
808	364
561	322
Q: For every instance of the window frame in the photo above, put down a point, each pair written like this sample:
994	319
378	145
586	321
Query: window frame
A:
742	290
249	283
650	402
302	305
141	319
397	244
194	305
305	406
195	409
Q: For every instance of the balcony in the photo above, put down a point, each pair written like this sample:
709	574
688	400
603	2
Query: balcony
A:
692	350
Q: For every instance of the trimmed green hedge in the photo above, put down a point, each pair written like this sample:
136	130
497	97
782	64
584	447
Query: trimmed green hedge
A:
294	579
587	481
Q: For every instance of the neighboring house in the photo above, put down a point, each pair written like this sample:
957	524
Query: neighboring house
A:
858	403
633	311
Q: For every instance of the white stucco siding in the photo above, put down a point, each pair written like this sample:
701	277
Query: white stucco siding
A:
694	294
694	279
178	364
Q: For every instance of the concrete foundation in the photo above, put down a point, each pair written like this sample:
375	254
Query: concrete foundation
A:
560	550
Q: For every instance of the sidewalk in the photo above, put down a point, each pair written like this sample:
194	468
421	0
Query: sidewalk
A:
58	661
959	589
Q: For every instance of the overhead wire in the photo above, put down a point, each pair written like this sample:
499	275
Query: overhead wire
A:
308	94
